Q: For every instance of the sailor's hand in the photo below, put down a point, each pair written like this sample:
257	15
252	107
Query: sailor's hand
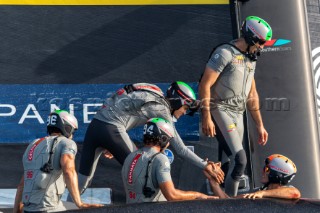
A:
207	197
263	135
208	127
107	154
87	205
254	195
214	171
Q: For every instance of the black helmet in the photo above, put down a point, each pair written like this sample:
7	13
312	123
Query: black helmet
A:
281	169
256	30
63	121
158	130
179	94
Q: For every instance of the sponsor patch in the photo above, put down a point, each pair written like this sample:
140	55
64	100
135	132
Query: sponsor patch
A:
132	195
29	174
231	127
238	59
279	169
132	166
169	155
31	151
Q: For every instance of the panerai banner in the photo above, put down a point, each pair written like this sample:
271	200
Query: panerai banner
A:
24	110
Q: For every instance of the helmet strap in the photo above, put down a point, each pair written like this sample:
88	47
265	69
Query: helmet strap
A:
48	167
265	186
147	190
252	56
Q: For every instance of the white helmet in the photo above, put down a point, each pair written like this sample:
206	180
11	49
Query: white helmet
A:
282	169
158	130
256	30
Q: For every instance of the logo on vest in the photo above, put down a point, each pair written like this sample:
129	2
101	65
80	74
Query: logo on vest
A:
31	151
249	66
169	155
238	59
132	166
29	174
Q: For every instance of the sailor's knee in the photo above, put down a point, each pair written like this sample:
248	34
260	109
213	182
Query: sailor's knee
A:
240	162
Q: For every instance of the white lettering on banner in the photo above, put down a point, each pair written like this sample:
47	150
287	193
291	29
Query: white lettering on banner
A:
13	109
31	111
35	115
86	113
71	109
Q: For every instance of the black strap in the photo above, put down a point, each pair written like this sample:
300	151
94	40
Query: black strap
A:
250	56
129	88
147	191
214	49
47	167
264	186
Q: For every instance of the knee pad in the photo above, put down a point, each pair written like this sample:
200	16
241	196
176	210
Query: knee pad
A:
240	162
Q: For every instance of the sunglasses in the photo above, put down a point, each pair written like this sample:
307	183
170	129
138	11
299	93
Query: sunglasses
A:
262	42
259	41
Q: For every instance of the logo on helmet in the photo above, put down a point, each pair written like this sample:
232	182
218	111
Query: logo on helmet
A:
279	169
255	32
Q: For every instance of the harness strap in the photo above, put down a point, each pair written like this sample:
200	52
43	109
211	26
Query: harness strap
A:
47	167
147	191
144	87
